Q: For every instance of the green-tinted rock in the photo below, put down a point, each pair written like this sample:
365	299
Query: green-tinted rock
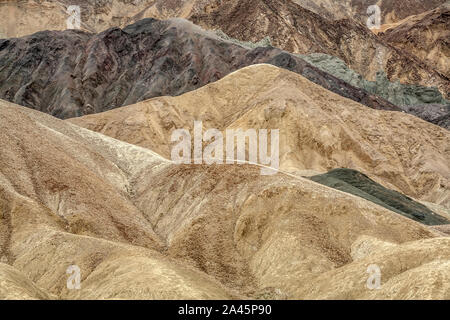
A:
395	92
358	184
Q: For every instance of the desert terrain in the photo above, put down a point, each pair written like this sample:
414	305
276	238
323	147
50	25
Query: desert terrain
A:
94	205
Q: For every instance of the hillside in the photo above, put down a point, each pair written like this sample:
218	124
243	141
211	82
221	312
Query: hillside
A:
298	30
357	183
73	73
319	130
426	36
164	244
290	27
392	11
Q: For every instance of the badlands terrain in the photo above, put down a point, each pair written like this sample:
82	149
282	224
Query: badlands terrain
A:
86	171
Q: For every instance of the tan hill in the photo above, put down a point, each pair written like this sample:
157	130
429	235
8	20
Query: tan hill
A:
65	200
288	25
319	130
426	36
391	259
139	226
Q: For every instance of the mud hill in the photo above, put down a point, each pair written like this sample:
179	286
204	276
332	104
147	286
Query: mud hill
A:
73	73
423	102
140	227
319	130
426	36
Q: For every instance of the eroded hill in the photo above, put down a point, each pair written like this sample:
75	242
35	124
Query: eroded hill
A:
140	227
319	130
298	30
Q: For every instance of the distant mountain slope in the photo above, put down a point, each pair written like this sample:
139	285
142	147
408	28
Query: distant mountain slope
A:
298	30
427	36
319	130
289	25
73	73
357	183
31	16
395	92
425	103
26	17
391	10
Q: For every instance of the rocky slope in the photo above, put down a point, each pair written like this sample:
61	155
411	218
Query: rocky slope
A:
73	73
298	30
319	130
425	103
395	92
189	231
39	15
393	11
289	25
426	36
31	16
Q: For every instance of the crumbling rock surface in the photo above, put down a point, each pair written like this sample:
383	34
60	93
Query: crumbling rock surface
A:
427	36
298	30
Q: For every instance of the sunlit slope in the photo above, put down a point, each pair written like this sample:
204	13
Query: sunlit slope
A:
319	130
139	226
